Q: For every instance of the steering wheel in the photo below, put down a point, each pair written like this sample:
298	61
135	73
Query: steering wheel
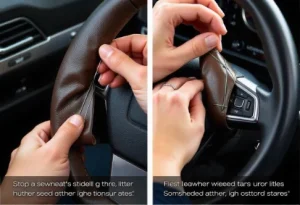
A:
275	111
74	91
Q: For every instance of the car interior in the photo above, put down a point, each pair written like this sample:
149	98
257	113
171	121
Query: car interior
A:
223	156
35	35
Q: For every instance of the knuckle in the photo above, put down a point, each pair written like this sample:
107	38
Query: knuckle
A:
157	97
37	127
24	139
161	8
219	18
210	2
176	98
13	153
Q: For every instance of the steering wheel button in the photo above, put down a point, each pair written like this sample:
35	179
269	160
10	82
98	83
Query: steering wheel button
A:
241	93
239	102
236	112
248	106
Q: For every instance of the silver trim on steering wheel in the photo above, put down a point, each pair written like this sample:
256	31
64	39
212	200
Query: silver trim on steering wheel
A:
250	88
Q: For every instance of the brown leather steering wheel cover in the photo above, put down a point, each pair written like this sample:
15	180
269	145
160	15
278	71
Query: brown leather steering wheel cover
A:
73	91
219	80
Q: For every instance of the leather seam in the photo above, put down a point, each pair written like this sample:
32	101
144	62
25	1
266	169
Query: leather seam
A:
223	107
85	99
227	92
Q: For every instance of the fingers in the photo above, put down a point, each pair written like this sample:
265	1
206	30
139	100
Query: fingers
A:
37	137
196	47
173	84
107	77
204	29
67	134
123	65
117	81
212	4
43	131
134	45
195	13
102	68
202	18
191	88
187	87
157	87
197	109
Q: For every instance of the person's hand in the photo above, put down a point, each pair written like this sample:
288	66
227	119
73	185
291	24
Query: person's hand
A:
204	15
125	60
40	156
178	124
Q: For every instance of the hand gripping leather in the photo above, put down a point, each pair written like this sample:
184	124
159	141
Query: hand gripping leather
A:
219	79
74	89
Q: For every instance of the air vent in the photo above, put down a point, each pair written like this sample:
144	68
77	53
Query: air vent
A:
17	35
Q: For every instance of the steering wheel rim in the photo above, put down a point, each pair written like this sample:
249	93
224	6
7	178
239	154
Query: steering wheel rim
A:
278	108
74	87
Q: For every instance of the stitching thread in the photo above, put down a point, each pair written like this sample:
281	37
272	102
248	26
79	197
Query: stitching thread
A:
227	70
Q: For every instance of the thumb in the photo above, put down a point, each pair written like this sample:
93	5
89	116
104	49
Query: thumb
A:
122	64
196	47
67	134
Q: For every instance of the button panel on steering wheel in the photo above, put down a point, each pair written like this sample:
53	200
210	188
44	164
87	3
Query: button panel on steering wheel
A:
243	104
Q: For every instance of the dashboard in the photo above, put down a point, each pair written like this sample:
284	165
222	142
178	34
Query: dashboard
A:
242	43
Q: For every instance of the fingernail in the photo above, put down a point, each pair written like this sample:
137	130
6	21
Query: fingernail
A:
99	79
211	41
222	13
98	67
224	28
106	51
76	120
